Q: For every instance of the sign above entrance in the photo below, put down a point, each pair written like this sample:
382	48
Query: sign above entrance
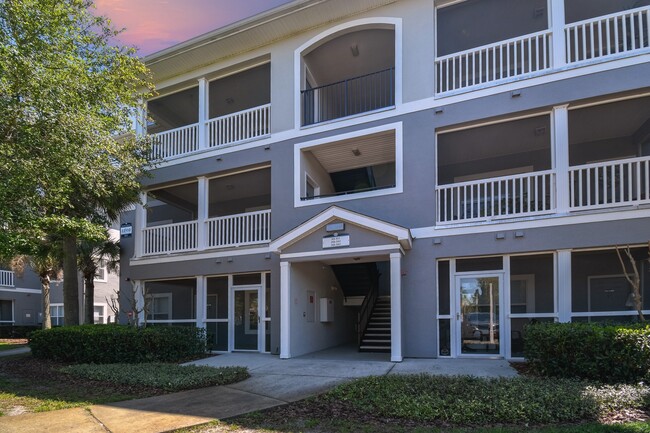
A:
336	241
126	230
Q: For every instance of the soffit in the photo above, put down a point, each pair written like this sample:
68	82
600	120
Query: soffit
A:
252	33
373	149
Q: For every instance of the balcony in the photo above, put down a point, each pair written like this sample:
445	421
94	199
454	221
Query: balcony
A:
505	170
234	213
6	279
238	111
481	44
349	74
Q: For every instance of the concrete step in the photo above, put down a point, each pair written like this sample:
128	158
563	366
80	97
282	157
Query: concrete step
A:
380	349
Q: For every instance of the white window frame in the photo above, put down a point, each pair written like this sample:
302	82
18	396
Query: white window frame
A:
151	299
101	275
13	311
61	317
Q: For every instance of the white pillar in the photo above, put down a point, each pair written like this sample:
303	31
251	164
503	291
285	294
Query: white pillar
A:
396	307
140	223
140	121
560	122
285	310
204	112
564	285
139	300
558	36
200	301
201	224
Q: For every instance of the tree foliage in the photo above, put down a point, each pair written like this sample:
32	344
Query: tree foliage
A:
68	156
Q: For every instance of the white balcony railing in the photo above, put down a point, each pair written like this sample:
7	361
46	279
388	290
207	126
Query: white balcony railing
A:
495	62
169	238
237	230
241	126
175	142
608	35
610	184
499	197
7	279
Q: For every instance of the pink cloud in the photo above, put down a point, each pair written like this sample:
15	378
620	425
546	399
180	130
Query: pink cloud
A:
153	25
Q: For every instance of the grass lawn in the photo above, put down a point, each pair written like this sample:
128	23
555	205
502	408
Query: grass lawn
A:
32	385
410	404
8	344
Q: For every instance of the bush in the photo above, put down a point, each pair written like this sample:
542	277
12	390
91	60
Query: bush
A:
466	400
603	352
17	331
109	344
170	377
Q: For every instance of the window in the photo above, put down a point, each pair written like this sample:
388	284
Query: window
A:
6	311
56	314
160	306
99	314
311	188
102	272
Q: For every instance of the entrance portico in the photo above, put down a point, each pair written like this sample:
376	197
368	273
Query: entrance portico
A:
308	252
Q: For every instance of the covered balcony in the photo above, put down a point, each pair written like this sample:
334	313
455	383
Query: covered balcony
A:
350	74
513	169
6	279
222	212
482	43
228	110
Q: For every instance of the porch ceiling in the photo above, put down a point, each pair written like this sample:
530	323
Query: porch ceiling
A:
357	152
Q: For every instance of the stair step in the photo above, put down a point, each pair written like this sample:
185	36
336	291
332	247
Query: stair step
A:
374	349
375	342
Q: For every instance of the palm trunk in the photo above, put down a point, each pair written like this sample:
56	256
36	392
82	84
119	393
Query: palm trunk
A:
45	288
89	283
70	282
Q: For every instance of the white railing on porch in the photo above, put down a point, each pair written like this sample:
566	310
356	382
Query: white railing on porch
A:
494	62
7	278
610	184
169	238
175	142
241	126
608	35
499	197
242	229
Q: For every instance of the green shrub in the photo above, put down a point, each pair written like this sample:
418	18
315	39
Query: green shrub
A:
603	352
108	344
467	400
170	377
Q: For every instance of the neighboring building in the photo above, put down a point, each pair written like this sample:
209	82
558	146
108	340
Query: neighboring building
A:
21	302
416	176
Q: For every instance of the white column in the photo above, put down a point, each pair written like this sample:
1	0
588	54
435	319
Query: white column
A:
564	285
139	299
558	36
140	121
200	301
201	224
285	312
204	112
140	223
560	122
396	307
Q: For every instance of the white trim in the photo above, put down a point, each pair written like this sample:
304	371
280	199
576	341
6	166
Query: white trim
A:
343	252
396	307
564	284
242	251
364	22
20	290
285	307
537	222
397	127
332	213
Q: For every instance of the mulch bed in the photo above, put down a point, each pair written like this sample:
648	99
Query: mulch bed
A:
13	340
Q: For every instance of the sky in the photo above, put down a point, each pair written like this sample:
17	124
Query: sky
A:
153	25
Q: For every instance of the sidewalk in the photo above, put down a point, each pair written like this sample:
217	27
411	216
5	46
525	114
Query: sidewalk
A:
273	382
12	352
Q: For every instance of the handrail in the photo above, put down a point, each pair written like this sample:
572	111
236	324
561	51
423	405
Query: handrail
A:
494	44
366	309
347	80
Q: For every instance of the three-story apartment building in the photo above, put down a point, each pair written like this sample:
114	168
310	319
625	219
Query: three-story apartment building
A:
421	177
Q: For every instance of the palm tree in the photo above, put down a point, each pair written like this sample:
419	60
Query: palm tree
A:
45	260
90	256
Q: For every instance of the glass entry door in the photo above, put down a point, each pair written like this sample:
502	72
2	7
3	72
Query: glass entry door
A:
478	314
247	319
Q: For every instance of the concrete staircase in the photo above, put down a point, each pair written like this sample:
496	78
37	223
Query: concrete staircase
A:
376	337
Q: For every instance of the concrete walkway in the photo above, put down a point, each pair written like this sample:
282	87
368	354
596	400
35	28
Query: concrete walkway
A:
12	352
273	382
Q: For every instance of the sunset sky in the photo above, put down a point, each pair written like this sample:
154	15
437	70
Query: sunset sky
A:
152	25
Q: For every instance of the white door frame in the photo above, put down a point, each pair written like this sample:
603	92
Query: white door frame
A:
456	334
261	324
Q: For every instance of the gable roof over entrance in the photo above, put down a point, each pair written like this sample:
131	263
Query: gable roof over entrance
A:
400	234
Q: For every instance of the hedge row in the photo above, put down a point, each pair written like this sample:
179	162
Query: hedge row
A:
108	344
603	352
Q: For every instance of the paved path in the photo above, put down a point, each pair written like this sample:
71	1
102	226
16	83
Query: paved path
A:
11	352
273	382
